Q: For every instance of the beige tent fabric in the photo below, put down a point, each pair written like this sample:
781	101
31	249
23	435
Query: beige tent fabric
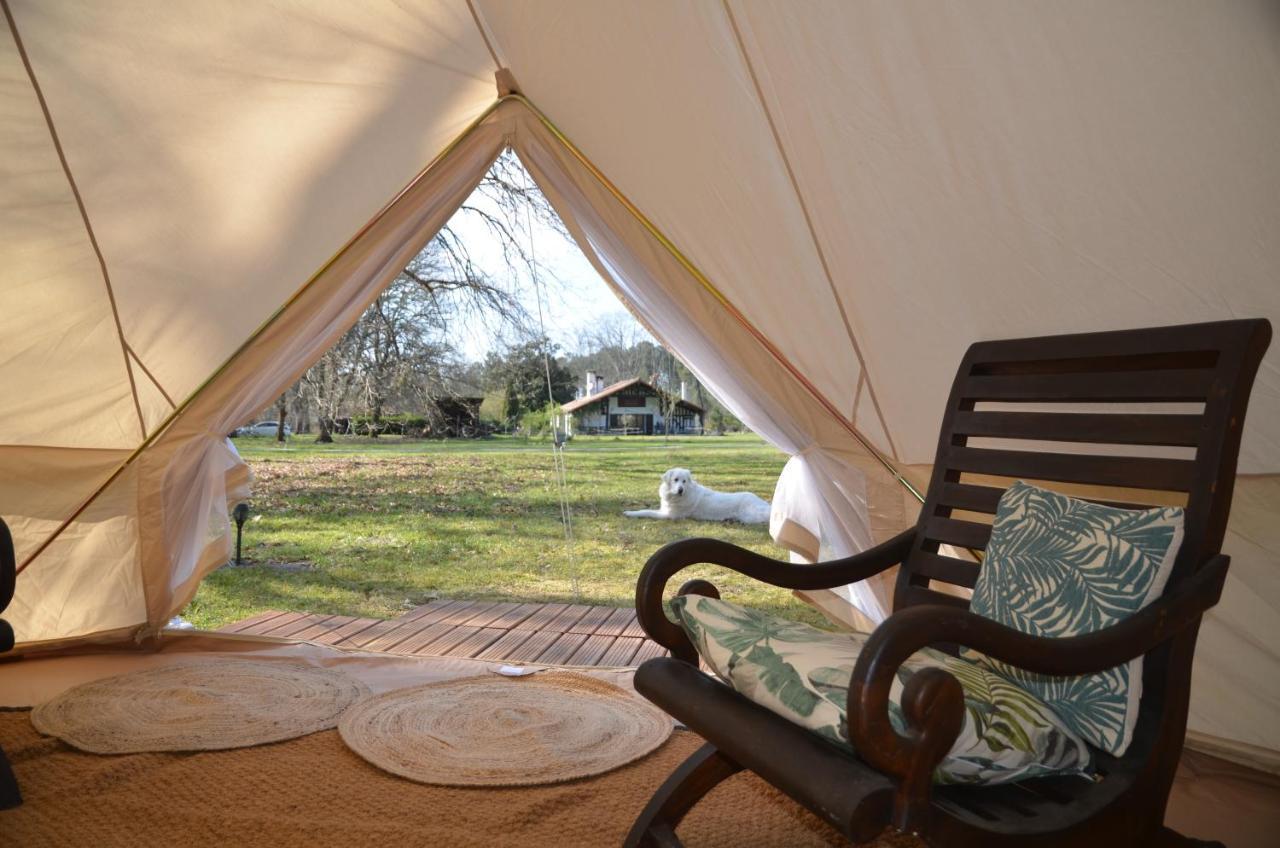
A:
868	186
53	291
178	487
971	170
1235	692
224	152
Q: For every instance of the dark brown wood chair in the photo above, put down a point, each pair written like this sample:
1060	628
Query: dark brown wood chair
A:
1208	371
9	795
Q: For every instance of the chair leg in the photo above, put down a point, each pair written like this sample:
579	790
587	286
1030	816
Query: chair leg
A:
10	797
696	776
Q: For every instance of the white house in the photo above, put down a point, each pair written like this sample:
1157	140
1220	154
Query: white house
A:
632	407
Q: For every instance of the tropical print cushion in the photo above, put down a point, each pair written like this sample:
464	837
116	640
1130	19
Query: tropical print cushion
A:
1058	566
802	674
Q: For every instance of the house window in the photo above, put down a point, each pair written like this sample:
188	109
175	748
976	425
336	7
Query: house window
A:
631	400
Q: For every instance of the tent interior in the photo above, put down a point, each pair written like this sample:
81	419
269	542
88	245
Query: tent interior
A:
818	208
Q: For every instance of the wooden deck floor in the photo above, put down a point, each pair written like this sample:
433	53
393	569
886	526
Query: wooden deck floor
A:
552	634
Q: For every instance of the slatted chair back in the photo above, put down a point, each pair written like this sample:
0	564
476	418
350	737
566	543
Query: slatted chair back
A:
1132	418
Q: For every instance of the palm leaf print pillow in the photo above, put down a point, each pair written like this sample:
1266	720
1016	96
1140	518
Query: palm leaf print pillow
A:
1058	566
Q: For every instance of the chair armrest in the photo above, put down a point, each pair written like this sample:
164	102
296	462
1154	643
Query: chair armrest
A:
933	702
674	557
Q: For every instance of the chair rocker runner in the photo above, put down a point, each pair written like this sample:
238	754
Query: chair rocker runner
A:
889	781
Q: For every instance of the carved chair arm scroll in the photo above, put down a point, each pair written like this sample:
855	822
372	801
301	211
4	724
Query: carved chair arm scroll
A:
676	556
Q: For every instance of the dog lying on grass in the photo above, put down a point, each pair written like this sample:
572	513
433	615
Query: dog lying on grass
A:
683	497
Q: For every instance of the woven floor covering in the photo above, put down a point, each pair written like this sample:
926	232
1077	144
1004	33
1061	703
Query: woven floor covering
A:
312	791
504	731
199	704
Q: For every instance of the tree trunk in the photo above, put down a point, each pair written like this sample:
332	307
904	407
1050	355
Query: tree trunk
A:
325	437
301	414
282	408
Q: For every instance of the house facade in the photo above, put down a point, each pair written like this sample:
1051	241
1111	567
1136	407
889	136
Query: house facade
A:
631	407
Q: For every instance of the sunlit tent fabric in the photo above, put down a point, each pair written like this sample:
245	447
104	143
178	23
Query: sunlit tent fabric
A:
818	206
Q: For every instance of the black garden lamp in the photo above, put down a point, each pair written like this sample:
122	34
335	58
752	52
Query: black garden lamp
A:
241	515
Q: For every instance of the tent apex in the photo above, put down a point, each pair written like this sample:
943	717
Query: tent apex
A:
506	80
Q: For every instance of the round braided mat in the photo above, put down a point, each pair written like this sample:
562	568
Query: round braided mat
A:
500	731
198	705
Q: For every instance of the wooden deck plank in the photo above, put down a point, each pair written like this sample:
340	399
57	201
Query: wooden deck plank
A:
252	622
489	616
590	651
477	642
567	618
552	634
327	625
532	648
405	628
621	651
394	635
438	610
617	621
262	628
276	625
304	623
422	637
441	645
589	623
634	628
464	615
507	645
647	651
562	648
516	617
432	608
365	638
347	631
539	619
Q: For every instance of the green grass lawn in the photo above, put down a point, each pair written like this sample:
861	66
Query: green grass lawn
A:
370	527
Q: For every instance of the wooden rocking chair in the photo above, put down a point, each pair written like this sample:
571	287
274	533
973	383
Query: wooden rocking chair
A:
9	795
888	781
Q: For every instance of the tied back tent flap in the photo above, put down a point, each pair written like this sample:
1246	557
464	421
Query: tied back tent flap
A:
818	208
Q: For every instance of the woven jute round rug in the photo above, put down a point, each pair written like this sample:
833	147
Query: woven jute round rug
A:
499	731
202	704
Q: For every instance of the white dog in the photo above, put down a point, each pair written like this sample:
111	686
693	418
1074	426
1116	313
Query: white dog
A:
683	497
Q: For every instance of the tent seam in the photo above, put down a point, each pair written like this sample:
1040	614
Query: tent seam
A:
484	35
150	376
84	213
857	399
808	220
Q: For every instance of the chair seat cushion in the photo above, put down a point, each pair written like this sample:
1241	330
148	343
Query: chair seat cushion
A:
1059	566
802	674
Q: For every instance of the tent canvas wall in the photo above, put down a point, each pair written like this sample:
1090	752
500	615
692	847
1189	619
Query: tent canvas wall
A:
817	207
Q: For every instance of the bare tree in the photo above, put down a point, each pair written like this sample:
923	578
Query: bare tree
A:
330	384
399	352
282	411
616	347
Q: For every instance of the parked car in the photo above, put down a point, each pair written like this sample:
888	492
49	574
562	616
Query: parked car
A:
262	428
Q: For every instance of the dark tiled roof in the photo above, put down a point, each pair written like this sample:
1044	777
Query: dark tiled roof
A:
615	388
